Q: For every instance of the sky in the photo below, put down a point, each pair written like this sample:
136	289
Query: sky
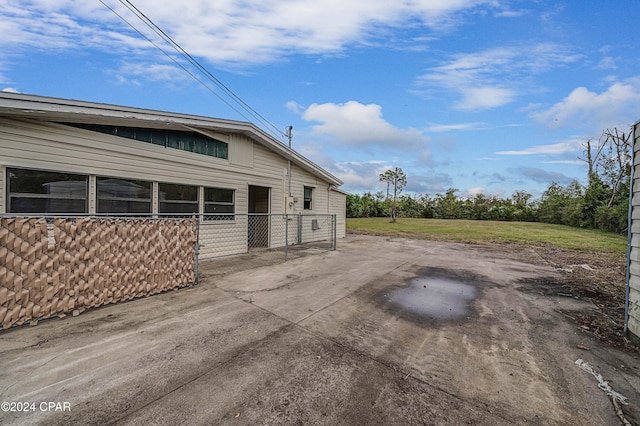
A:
484	96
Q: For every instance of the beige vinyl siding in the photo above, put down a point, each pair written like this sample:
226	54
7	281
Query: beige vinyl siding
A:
33	144
60	148
241	150
274	166
223	238
319	205
269	162
634	266
338	206
320	195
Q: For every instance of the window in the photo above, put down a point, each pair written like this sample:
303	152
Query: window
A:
183	140
123	196
37	191
219	204
174	198
308	193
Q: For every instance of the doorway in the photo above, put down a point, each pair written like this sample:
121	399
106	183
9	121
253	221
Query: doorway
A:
258	223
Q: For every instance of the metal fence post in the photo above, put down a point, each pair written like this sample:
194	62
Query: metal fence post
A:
286	236
300	228
334	223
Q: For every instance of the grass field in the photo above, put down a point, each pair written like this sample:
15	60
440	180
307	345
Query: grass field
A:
479	231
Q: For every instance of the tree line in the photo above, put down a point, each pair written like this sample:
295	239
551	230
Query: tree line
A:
602	203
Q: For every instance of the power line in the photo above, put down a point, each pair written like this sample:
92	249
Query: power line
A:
198	65
173	59
167	39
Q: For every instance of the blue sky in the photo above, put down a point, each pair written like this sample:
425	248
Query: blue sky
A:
486	96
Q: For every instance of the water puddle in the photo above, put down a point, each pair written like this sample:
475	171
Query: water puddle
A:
436	298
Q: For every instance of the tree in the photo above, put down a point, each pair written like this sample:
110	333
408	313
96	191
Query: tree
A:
388	178
448	205
610	159
524	210
552	204
617	165
398	180
355	207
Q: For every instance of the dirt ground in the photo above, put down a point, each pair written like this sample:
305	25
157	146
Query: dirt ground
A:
599	279
381	331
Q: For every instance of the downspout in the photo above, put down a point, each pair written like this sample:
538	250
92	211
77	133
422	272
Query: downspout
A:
629	233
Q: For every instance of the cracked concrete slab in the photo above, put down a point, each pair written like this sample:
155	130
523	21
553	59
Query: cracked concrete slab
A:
316	340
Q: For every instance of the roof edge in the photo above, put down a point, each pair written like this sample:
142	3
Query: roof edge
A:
36	106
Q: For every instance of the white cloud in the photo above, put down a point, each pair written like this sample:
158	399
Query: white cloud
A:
541	176
550	149
232	32
353	123
472	192
294	107
485	97
488	159
10	90
607	63
434	182
452	127
508	13
494	77
69	24
572	162
132	73
616	106
361	175
426	158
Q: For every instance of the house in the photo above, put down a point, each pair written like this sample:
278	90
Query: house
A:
632	305
64	156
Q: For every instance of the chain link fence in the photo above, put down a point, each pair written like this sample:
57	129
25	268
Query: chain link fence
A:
226	234
56	265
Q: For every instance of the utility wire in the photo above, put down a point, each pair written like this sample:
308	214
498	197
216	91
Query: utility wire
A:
197	64
167	39
174	60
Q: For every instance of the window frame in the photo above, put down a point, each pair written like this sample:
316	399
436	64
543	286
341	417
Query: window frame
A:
148	200
308	200
212	217
46	196
161	201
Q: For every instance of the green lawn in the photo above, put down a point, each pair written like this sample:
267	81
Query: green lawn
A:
479	231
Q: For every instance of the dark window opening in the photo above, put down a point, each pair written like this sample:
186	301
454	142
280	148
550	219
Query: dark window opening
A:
183	140
123	196
308	196
179	199
37	191
219	204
